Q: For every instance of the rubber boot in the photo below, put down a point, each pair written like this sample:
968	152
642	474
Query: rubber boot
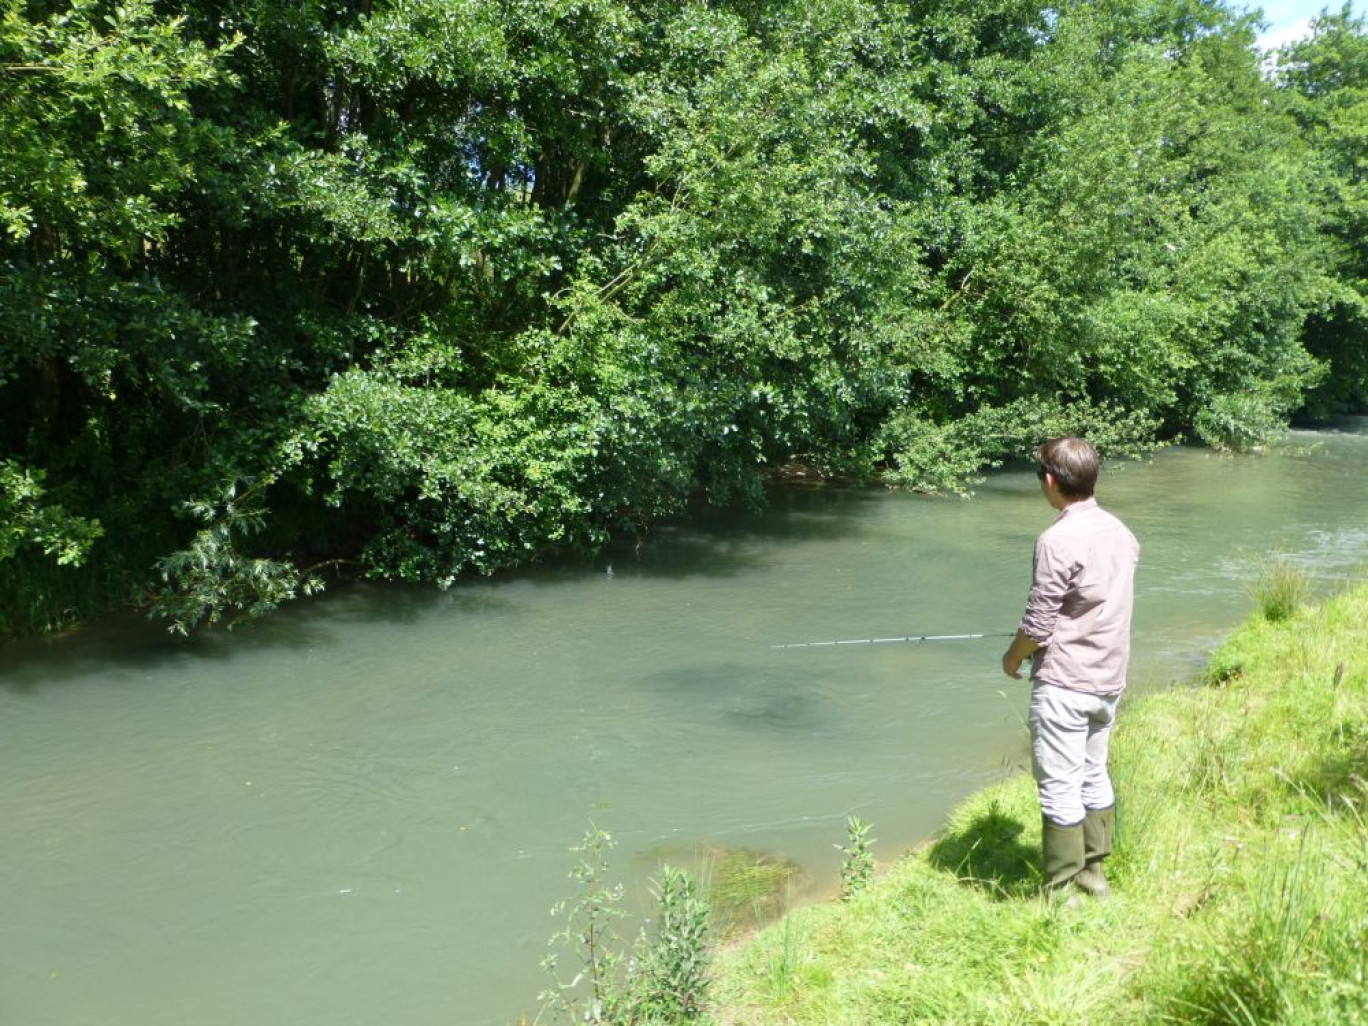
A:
1097	845
1063	852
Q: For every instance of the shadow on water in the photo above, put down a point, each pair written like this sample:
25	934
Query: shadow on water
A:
127	644
710	543
131	644
774	701
723	542
988	854
1347	424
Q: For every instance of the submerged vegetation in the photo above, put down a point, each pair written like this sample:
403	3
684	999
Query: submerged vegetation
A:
1240	879
448	287
745	889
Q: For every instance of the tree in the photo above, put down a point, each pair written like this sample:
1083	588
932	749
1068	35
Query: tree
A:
98	357
1325	80
449	287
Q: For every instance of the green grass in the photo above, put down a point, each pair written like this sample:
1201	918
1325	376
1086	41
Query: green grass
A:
1281	588
1240	877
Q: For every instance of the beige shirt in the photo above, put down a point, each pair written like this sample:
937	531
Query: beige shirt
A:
1082	594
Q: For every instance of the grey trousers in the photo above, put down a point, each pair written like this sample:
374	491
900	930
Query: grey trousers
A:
1069	735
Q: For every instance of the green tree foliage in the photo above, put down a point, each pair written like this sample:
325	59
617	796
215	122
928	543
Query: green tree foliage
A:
106	372
1325	81
25	521
211	577
459	285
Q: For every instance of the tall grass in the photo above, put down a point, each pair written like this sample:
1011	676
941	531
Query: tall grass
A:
1280	589
37	596
1293	954
1240	876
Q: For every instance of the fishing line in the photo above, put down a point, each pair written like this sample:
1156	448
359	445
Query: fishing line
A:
891	641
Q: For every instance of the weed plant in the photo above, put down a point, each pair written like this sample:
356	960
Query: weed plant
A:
588	937
857	866
662	978
1239	878
669	978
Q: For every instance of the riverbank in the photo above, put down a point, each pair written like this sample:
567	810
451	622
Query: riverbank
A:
1240	877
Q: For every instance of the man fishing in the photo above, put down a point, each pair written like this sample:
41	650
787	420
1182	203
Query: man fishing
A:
1076	631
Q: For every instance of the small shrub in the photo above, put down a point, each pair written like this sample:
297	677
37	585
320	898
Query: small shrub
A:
1240	421
857	870
669	977
588	935
665	979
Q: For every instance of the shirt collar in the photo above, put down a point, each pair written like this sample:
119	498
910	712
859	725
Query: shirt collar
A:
1077	507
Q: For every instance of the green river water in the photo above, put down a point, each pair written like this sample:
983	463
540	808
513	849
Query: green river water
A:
359	810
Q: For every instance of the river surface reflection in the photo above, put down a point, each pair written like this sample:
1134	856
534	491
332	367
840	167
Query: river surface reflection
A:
360	810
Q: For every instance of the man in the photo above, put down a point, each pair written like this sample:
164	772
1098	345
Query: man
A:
1076	630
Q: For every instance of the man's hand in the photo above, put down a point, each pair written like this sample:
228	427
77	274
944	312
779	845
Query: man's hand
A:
1016	653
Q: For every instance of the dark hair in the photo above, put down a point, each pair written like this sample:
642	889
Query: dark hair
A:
1072	462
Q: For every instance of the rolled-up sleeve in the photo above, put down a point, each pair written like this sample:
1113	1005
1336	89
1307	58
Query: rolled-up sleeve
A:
1051	579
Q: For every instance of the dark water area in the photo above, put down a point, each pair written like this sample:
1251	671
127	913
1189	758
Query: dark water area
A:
360	810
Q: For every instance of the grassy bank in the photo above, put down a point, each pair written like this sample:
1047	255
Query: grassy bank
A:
1240	877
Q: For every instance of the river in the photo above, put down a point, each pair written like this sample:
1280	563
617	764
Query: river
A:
360	810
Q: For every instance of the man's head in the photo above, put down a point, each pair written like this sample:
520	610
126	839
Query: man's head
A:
1071	463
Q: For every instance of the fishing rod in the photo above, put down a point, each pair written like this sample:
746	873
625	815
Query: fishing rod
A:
890	641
